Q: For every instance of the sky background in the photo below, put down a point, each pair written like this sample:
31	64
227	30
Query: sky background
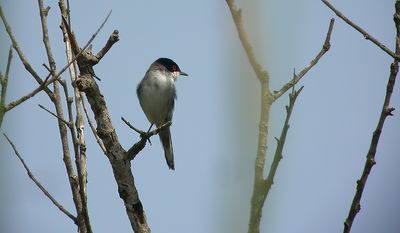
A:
215	124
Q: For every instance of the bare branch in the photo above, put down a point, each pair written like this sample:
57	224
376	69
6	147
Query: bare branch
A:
115	153
53	114
281	141
4	80
386	111
133	127
236	13
78	141
4	85
73	41
93	60
79	136
267	99
24	98
38	184
10	56
106	131
145	136
99	141
43	84
47	68
324	49
110	42
21	55
366	35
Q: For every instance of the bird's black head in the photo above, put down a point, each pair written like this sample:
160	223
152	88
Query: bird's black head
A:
169	64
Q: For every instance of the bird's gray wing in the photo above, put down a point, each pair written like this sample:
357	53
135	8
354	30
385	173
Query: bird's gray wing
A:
171	103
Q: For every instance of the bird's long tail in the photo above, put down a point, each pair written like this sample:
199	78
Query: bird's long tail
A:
165	137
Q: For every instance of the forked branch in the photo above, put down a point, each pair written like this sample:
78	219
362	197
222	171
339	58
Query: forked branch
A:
325	47
145	136
267	99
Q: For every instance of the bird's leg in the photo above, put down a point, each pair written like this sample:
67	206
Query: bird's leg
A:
148	131
150	128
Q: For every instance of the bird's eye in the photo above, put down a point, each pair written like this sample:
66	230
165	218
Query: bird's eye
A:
174	68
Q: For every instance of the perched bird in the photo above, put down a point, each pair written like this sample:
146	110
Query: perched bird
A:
157	94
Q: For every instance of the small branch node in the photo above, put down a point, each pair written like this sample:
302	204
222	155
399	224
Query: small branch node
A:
70	99
389	111
358	207
46	11
371	161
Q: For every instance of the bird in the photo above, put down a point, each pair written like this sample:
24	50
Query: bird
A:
157	94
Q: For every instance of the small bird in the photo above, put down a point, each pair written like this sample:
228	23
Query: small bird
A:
157	94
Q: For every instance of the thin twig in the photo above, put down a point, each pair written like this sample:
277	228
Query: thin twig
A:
110	42
324	49
4	85
133	127
21	55
4	81
145	136
10	56
38	184
53	114
47	68
68	13
58	75
366	35
282	139
386	111
99	141
74	44
24	98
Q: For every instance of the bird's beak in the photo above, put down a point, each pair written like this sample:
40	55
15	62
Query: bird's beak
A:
183	74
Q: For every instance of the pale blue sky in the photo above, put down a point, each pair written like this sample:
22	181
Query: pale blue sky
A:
216	117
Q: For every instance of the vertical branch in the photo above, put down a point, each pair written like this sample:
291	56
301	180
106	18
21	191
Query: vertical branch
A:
4	84
80	205
80	143
4	80
386	111
261	186
282	139
258	196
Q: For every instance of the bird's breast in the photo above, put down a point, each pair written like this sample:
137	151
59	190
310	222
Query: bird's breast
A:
156	97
